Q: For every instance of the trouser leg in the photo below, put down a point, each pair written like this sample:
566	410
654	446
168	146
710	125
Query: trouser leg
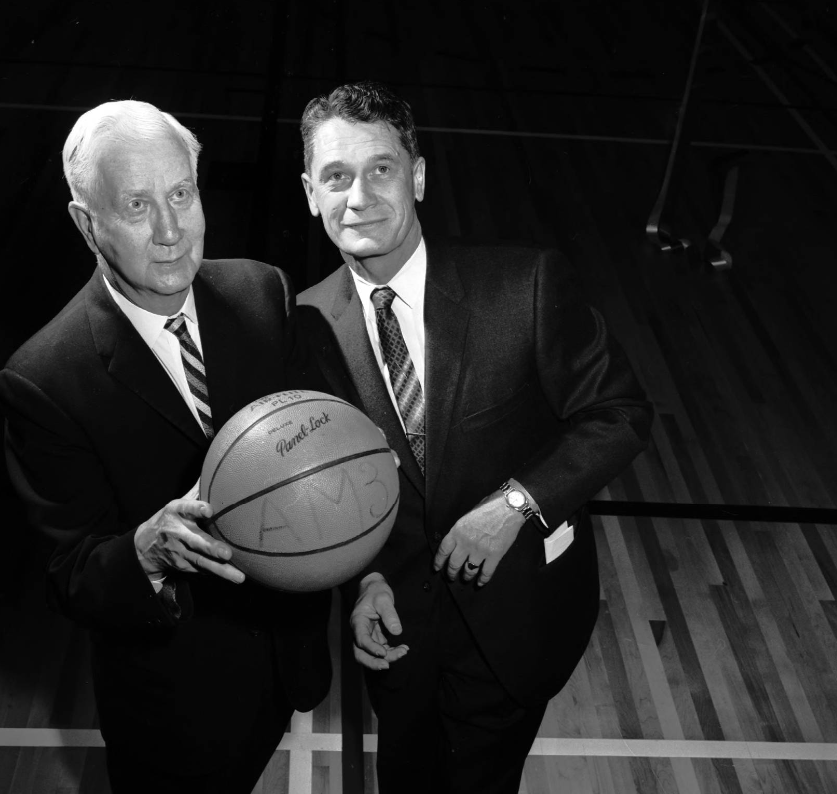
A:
452	727
241	722
488	734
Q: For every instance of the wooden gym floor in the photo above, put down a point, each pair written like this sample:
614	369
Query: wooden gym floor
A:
712	668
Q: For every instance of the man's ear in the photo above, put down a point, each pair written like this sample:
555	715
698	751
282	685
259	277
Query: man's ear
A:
308	187
84	223
418	178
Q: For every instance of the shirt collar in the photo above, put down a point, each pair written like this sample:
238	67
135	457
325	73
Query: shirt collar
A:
407	283
150	325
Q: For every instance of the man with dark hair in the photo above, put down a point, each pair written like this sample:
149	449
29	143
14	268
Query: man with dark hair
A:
363	102
111	408
510	406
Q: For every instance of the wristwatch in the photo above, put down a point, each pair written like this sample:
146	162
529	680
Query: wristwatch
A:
517	500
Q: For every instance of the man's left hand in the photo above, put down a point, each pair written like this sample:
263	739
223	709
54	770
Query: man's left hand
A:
479	540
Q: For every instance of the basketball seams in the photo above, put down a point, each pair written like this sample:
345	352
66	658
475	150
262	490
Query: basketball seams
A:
320	550
243	459
242	433
300	476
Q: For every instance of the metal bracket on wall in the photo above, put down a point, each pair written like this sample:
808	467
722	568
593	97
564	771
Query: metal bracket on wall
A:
657	232
714	254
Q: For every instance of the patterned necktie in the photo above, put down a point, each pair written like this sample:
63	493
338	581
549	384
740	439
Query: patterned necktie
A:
402	373
194	369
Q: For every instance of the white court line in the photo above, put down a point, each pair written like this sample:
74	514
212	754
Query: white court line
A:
301	740
301	771
677	748
49	737
557	136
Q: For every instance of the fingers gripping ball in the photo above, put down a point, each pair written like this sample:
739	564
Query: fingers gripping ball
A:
304	489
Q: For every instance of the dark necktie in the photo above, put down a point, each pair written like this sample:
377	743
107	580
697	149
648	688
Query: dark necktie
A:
402	373
195	372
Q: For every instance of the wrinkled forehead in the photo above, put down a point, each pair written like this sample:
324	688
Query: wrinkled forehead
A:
338	139
121	165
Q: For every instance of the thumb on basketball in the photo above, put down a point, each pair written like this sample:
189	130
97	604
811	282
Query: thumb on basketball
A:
192	511
192	508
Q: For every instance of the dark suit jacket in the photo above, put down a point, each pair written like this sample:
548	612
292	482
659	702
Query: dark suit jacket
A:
98	440
522	380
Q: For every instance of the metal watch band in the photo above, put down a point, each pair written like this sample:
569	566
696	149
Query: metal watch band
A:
526	509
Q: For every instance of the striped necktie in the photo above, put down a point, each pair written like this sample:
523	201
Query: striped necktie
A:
194	369
402	373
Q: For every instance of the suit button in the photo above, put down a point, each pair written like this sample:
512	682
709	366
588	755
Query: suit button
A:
426	587
437	536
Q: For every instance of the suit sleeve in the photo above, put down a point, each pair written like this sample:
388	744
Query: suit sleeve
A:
94	576
588	381
302	365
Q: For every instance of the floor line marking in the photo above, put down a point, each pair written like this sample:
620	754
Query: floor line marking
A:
301	773
304	740
676	748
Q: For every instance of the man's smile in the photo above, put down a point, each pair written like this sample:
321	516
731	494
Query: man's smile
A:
361	224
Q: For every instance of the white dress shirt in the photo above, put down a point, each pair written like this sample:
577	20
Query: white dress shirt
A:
164	344
408	307
166	347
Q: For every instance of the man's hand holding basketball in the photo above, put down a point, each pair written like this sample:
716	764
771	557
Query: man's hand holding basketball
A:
172	540
374	606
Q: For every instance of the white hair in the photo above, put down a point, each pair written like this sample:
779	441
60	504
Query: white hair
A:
127	121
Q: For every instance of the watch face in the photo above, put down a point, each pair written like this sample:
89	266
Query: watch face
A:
516	499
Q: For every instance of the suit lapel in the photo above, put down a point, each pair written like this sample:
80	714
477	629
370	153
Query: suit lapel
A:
446	317
350	331
131	362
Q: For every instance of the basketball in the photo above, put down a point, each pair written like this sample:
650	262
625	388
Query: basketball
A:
303	488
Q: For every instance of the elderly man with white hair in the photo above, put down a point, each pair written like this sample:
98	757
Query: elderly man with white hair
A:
111	408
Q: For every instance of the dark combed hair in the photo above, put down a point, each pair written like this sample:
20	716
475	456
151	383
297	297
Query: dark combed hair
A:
359	102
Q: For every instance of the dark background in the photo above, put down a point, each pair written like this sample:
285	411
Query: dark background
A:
545	121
